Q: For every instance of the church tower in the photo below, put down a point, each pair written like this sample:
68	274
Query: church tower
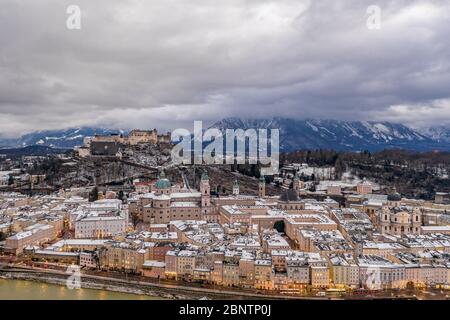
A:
262	187
385	220
163	185
297	185
236	188
416	218
205	190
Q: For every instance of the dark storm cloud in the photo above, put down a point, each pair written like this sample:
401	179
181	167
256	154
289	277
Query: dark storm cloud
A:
166	63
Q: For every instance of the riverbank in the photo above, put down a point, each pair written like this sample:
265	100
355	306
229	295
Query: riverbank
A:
58	280
15	289
163	291
141	288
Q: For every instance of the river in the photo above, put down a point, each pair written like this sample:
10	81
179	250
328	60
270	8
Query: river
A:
31	290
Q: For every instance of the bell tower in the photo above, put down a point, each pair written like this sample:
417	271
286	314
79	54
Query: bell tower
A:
205	190
262	187
385	220
236	188
416	220
297	185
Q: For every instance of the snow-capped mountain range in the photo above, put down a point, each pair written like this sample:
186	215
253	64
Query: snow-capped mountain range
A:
439	133
62	139
294	135
344	135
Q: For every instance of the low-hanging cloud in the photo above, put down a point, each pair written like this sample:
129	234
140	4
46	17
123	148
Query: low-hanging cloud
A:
138	63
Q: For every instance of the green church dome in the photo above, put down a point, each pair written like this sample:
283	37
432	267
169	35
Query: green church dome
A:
163	182
205	176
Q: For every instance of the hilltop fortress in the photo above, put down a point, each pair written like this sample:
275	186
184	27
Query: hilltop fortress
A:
109	145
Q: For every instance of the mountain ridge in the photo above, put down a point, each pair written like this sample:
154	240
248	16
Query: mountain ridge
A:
59	139
32	151
294	135
340	135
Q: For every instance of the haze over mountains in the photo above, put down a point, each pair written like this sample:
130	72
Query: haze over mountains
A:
346	135
294	135
64	139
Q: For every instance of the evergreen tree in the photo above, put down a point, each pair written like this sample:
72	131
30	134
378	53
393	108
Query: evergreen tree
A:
93	195
10	180
279	226
121	196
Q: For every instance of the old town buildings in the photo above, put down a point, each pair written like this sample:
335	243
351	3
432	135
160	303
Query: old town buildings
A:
287	242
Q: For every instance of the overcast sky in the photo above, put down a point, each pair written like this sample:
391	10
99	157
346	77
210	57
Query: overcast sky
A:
165	63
